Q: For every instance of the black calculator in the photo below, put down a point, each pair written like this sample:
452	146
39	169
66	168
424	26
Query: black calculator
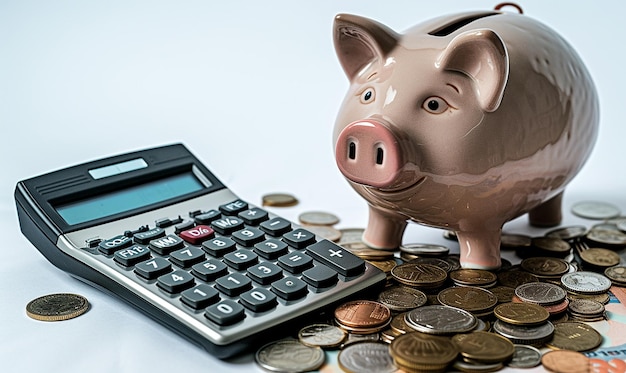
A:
159	230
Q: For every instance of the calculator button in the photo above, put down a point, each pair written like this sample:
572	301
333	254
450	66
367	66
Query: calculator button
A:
320	276
258	300
198	234
271	249
233	284
227	225
234	207
163	222
184	226
130	256
147	236
219	246
289	288
241	259
207	217
112	245
299	238
265	273
254	216
176	281
276	226
153	268
209	270
337	258
200	296
248	236
187	256
226	312
167	244
295	262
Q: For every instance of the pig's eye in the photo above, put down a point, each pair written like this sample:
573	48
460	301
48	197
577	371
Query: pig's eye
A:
368	96
435	105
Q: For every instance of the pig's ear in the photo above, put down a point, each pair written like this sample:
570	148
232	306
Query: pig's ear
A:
481	55
360	40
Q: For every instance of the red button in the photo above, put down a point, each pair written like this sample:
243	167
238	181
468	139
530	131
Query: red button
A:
197	234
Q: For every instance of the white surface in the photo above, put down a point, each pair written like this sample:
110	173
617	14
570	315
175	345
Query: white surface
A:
252	88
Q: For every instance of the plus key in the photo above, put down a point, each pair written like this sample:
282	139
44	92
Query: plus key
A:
337	258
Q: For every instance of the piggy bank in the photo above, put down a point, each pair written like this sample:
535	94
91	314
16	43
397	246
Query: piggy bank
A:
463	122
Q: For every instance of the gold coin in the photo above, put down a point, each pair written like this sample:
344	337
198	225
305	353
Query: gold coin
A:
514	241
545	266
552	245
484	347
470	298
422	351
600	257
521	313
384	265
514	279
419	275
279	200
365	252
57	307
473	277
575	336
565	361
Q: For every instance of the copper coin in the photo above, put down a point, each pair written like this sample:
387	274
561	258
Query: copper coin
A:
362	314
473	277
564	361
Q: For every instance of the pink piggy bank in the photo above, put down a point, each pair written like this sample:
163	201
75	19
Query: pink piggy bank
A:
463	122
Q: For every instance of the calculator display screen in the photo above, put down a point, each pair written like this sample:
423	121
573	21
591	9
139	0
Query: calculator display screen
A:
128	199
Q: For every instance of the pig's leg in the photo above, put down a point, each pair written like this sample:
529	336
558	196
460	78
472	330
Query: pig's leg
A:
480	249
384	230
548	214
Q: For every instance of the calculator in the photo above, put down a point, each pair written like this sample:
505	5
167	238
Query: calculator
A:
157	229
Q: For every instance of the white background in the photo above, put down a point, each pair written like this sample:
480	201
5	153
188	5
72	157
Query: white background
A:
252	88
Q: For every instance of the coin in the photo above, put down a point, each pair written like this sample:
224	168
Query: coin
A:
362	314
419	275
552	245
398	324
617	274
402	298
57	307
524	334
484	347
607	237
473	277
351	235
279	200
521	313
525	357
327	232
586	308
439	319
289	355
595	210
365	252
417	351
318	218
503	293
366	357
422	249
514	279
470	298
564	361
441	263
514	241
568	233
545	266
575	336
541	293
322	335
586	282
600	257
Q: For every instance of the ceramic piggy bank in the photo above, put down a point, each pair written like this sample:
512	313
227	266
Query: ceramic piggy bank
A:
463	122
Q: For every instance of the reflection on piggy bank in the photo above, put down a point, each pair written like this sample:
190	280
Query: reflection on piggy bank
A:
463	122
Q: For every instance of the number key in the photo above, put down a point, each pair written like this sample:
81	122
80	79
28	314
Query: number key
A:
175	282
153	268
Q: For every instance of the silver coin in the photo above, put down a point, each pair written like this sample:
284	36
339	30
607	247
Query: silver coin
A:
322	335
586	307
595	210
318	218
542	293
607	237
525	357
586	282
527	334
366	357
424	249
436	319
568	233
289	355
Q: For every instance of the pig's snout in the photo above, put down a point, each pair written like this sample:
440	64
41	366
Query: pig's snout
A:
367	152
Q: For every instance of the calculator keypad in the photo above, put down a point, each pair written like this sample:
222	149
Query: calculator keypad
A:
231	262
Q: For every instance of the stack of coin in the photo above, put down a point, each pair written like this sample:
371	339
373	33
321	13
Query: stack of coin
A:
480	349
421	276
550	296
480	302
362	316
473	277
586	310
523	323
440	320
418	352
585	282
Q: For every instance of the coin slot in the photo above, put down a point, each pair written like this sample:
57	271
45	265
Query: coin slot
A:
379	156
352	150
451	27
